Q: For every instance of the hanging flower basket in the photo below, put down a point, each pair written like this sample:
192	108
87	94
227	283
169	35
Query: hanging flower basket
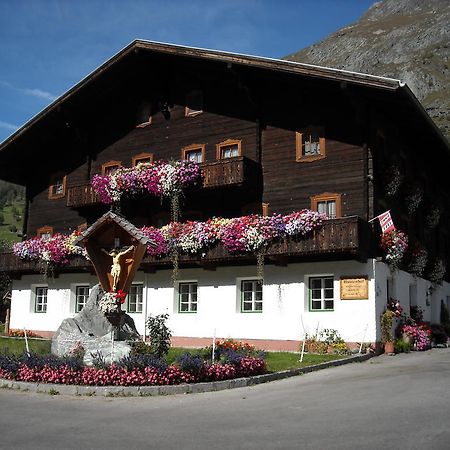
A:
413	199
393	180
394	243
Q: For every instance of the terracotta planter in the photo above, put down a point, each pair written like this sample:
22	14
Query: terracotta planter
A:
388	347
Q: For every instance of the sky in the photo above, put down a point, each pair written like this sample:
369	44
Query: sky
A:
47	46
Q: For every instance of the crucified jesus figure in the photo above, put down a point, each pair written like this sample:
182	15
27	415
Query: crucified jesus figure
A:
116	267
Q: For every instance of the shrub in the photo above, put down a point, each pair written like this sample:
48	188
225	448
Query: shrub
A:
401	346
192	364
159	334
140	348
438	333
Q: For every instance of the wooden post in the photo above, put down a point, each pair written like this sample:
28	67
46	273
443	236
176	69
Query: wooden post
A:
7	322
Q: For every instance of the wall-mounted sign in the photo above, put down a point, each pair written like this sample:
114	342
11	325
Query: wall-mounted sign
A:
355	288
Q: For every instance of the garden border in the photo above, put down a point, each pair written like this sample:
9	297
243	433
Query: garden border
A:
194	388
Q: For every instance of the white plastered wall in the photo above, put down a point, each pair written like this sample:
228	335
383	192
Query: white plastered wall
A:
285	301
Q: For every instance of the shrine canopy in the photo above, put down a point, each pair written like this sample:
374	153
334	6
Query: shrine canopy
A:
116	248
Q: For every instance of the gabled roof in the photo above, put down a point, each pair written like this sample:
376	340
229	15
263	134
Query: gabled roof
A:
119	220
256	62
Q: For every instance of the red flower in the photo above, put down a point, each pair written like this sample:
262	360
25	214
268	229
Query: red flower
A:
120	295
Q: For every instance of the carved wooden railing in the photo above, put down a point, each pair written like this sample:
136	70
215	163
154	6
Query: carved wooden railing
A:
215	174
81	195
225	172
347	237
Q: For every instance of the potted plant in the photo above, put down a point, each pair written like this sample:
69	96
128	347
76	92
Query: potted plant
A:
387	320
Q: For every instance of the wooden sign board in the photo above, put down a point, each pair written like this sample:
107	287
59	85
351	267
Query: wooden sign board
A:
355	288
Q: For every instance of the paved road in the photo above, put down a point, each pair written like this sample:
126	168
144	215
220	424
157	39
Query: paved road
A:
400	402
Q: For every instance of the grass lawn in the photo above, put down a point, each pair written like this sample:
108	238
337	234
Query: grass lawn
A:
276	361
16	346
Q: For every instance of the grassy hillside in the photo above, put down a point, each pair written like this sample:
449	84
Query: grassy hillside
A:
11	211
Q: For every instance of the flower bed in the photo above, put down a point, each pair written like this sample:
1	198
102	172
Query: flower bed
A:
137	370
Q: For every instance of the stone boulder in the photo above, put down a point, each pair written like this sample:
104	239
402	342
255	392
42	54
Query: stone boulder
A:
94	332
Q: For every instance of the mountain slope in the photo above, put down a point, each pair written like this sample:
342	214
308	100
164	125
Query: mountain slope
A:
404	39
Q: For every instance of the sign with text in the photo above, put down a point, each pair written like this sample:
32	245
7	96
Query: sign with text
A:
355	288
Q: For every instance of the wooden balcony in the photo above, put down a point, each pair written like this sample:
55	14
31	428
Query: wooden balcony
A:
344	238
216	174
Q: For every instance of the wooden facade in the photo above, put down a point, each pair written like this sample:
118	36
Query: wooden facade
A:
136	105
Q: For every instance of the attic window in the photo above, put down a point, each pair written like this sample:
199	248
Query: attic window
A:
142	158
194	152
228	149
310	144
44	232
328	204
194	103
110	167
57	188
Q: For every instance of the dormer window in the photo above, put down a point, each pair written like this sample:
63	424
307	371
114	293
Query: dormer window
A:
194	103
57	188
142	158
110	167
228	149
194	152
310	144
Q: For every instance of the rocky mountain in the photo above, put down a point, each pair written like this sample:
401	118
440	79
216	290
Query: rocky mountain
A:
404	39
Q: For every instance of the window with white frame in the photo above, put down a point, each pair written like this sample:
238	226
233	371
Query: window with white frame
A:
187	297
321	293
251	296
135	295
81	297
40	299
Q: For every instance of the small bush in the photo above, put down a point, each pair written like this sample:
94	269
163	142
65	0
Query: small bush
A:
159	334
140	348
401	346
438	333
192	364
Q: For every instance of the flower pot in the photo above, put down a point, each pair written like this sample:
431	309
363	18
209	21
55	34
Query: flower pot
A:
388	347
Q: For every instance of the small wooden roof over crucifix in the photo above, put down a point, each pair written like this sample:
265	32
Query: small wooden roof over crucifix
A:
116	248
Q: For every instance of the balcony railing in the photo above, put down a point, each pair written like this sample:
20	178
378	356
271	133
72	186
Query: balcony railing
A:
347	238
226	172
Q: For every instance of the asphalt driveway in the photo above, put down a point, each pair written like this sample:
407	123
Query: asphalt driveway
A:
400	402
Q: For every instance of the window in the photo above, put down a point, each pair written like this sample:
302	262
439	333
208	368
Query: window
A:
251	296
44	232
321	293
228	149
194	103
194	152
57	188
135	298
81	297
142	158
40	300
327	203
110	167
310	144
187	297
